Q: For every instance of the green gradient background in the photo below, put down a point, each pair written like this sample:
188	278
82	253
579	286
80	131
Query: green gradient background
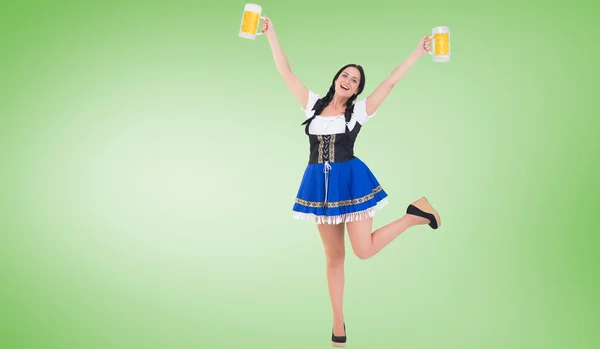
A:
150	158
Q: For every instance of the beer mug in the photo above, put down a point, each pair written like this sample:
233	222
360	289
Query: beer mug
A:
250	19
440	48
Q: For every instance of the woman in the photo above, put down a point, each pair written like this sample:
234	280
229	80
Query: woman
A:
337	188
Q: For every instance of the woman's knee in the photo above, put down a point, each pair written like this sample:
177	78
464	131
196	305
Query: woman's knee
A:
336	257
333	241
362	253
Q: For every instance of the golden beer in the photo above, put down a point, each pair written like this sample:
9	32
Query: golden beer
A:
250	22
442	44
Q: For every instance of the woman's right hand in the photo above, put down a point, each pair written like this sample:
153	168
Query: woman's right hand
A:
267	28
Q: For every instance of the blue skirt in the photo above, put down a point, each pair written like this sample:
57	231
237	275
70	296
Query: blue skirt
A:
338	192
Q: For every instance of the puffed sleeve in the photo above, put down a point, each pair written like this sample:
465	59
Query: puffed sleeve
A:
312	99
360	112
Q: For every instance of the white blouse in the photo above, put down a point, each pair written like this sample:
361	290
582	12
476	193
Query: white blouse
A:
322	125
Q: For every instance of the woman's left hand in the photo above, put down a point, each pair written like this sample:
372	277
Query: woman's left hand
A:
424	44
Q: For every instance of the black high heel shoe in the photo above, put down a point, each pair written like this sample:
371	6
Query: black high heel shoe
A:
422	208
339	341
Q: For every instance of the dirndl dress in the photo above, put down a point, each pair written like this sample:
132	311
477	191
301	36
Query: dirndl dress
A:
337	187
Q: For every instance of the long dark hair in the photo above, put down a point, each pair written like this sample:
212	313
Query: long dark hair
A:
324	102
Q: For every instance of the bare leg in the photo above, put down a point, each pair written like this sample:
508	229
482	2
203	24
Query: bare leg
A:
333	242
366	244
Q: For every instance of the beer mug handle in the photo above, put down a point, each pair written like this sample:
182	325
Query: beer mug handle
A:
431	46
258	32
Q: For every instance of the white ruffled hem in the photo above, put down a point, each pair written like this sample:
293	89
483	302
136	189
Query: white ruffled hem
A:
344	218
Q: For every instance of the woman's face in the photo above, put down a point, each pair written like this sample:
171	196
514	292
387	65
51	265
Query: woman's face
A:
346	85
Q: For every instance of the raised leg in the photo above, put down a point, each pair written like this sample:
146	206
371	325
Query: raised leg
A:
366	243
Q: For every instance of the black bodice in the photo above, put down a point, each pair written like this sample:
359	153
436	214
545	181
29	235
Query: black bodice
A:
337	147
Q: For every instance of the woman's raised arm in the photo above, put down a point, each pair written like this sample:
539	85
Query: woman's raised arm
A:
377	97
291	80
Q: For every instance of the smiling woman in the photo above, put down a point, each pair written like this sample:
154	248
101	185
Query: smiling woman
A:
338	189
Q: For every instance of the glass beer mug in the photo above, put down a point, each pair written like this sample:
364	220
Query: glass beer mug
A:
440	48
250	19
